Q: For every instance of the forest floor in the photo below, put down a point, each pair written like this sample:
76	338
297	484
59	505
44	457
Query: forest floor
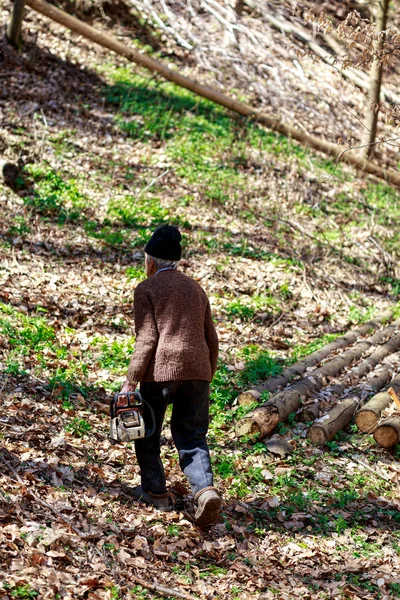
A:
292	251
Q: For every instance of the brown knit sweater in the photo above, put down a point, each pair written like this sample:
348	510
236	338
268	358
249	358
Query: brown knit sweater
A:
175	335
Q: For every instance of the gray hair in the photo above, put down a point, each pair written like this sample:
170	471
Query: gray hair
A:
161	263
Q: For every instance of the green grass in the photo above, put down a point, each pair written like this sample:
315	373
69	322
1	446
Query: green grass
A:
112	355
208	148
136	273
247	308
21	591
54	195
299	351
33	346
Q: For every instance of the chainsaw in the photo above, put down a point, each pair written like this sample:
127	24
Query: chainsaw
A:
127	418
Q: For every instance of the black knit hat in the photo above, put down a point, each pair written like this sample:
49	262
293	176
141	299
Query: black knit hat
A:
165	243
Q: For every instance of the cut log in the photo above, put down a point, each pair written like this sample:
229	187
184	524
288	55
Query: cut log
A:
298	369
373	385
338	152
369	415
309	413
266	417
387	434
326	427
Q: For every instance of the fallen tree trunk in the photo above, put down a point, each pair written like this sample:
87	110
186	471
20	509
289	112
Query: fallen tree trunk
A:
325	428
369	415
309	413
266	417
387	434
299	368
312	412
338	153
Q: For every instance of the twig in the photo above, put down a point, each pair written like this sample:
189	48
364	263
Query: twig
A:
42	502
161	589
153	181
366	466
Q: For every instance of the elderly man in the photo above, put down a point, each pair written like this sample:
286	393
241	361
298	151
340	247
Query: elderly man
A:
174	360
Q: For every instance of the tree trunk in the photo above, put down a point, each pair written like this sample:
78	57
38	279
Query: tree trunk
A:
371	122
374	385
265	418
299	368
369	415
15	25
309	413
326	427
387	434
338	153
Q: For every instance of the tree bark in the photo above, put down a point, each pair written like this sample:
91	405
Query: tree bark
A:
326	427
266	417
299	368
387	434
374	93
338	390
15	25
369	415
309	413
338	153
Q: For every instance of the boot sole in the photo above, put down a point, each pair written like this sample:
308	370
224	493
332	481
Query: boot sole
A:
209	513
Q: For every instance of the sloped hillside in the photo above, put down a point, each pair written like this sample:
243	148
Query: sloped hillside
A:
292	250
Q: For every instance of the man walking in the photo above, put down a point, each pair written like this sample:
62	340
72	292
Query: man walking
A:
175	359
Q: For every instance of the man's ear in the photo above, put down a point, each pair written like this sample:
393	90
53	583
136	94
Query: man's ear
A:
152	264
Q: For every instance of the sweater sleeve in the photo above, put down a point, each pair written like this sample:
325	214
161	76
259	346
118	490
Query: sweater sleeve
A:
211	339
146	336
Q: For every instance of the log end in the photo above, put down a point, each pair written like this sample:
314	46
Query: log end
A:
386	436
262	420
317	435
246	426
366	421
248	397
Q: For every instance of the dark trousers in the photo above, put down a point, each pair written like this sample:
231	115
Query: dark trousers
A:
189	425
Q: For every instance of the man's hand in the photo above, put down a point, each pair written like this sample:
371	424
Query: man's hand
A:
128	387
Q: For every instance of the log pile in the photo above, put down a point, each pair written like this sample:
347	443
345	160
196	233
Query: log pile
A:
369	415
325	428
365	368
266	417
299	368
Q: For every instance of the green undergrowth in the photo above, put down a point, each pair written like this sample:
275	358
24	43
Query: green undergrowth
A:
249	307
209	147
299	351
375	205
53	195
33	347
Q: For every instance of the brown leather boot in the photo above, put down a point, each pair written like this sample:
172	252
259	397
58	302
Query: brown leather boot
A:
164	502
208	506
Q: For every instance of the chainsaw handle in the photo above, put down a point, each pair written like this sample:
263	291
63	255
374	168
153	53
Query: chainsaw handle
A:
133	399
